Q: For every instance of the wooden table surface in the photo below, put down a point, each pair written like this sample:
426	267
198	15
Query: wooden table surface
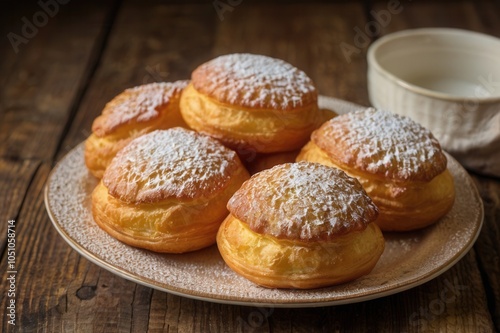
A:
60	62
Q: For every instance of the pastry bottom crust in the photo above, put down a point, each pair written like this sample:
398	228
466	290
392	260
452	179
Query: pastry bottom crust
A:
280	263
403	205
171	226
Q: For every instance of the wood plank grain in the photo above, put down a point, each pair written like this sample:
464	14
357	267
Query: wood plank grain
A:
15	178
487	13
480	16
11	25
46	76
488	244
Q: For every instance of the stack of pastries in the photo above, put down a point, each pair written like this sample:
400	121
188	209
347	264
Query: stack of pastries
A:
173	161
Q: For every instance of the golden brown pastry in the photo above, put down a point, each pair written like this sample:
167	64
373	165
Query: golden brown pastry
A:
252	102
134	112
399	163
301	225
167	191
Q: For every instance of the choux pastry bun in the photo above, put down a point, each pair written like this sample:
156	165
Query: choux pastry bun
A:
167	191
301	225
134	112
252	102
399	163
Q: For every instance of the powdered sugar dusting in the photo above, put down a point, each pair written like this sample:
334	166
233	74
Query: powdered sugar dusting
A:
303	201
204	275
251	80
169	163
139	104
382	143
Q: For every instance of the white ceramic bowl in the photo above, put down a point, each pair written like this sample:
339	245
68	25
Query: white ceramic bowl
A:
448	80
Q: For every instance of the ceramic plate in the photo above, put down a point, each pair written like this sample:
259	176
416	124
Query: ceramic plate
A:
409	259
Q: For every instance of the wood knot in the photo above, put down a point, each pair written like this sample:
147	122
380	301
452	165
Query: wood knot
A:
86	292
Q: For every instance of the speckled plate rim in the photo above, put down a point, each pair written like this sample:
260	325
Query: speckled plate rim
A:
380	291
